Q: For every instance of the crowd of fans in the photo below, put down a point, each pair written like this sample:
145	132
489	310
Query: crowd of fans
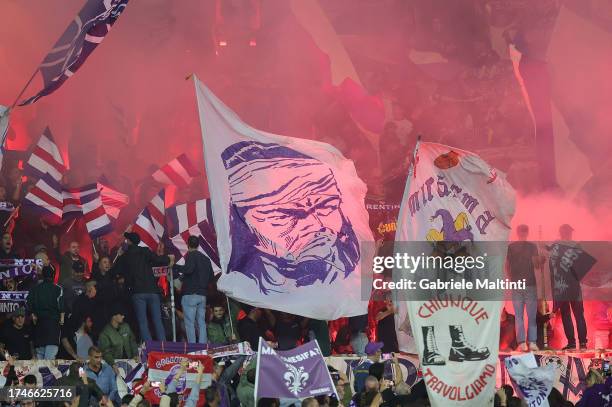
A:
99	312
233	384
96	316
119	304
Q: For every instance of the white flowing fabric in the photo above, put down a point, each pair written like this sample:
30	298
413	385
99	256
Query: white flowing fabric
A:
290	217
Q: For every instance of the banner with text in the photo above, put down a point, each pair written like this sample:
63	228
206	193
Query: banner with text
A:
293	374
10	301
164	366
17	268
453	202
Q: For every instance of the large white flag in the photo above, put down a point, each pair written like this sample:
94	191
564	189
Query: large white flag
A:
455	205
289	215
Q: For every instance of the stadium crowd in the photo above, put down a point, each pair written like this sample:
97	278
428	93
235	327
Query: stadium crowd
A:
95	313
96	317
233	384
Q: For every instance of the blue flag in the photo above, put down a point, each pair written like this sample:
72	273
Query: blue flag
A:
82	36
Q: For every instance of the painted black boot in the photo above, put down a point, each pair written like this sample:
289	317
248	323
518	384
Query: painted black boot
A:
461	350
431	355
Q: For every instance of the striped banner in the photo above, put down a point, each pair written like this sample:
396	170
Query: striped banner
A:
179	172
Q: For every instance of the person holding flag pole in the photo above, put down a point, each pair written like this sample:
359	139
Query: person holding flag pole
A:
197	272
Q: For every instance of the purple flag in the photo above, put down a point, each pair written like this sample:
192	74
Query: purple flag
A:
293	374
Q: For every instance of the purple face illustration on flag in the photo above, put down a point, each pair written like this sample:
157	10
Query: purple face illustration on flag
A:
286	221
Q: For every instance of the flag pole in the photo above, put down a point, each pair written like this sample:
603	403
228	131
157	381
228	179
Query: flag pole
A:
414	157
117	255
172	305
24	89
229	313
12	215
71	225
404	207
258	365
327	370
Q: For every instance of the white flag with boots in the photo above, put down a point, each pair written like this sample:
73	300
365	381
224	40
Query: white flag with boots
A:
454	221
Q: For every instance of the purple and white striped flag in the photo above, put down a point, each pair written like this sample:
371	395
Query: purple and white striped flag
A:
98	223
193	218
46	158
150	222
45	200
82	36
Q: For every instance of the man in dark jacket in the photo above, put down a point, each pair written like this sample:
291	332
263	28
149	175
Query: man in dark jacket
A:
117	341
197	272
89	304
16	336
136	265
46	304
74	286
101	273
68	259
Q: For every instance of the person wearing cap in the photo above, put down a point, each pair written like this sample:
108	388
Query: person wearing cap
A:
574	305
523	258
73	286
117	341
136	264
46	304
16	336
373	351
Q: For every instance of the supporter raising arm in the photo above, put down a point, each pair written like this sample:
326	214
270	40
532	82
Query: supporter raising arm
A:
194	394
177	377
141	394
11	378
